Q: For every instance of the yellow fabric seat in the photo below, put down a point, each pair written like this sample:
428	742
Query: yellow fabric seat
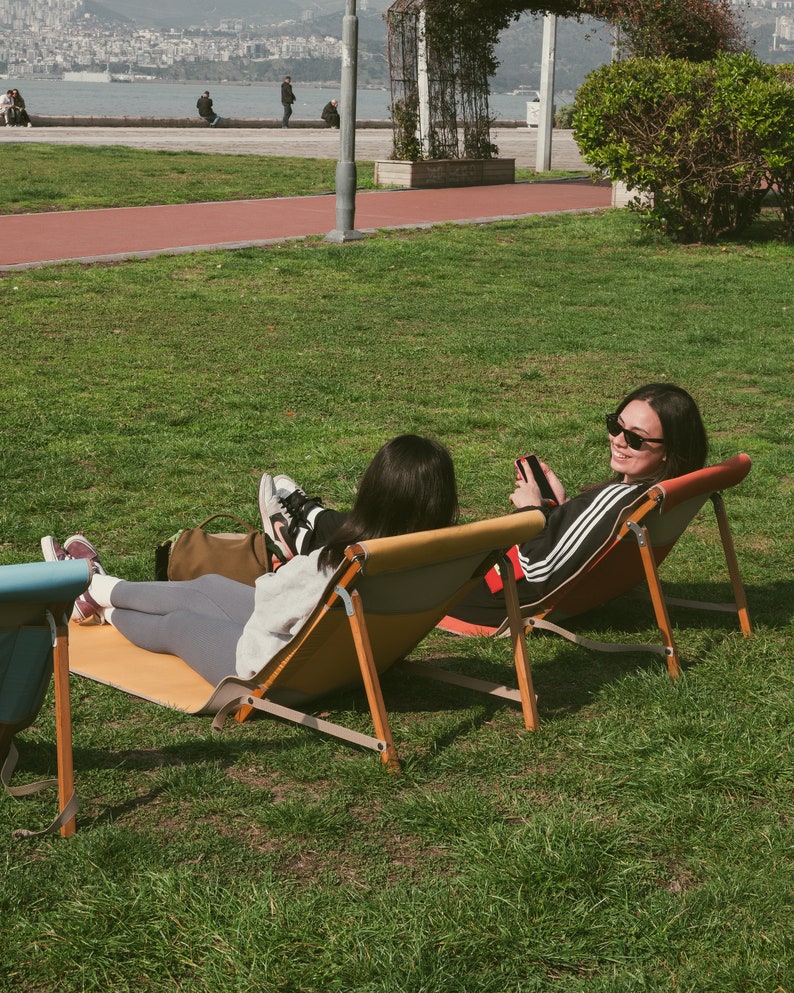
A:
384	598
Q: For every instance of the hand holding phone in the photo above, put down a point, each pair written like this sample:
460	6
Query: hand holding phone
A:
543	484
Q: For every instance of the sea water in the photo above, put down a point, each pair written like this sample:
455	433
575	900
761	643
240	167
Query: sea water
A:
56	98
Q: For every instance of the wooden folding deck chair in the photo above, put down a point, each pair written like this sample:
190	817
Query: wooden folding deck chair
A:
35	602
632	556
386	595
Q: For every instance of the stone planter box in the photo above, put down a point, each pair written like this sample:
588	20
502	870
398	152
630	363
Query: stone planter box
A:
438	173
622	195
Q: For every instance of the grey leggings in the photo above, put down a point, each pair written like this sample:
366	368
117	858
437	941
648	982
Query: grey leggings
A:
201	621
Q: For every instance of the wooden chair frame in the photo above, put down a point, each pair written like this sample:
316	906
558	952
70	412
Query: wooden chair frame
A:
384	598
45	597
684	497
383	741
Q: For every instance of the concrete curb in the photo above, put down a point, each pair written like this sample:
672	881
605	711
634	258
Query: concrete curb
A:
225	123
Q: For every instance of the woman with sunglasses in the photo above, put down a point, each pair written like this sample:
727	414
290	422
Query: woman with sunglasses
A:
655	433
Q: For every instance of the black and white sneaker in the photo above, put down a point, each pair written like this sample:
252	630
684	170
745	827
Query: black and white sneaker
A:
300	510
275	523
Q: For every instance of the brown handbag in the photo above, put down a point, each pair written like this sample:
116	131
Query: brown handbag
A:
197	552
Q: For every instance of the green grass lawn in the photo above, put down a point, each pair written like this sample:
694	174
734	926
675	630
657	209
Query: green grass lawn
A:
641	840
71	177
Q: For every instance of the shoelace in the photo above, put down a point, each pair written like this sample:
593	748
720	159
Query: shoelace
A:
294	505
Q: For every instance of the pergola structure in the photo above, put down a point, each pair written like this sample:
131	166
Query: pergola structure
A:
439	85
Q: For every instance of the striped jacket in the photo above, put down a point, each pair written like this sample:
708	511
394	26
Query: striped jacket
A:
574	534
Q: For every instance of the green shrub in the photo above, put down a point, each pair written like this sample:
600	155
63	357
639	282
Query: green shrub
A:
707	141
766	109
564	116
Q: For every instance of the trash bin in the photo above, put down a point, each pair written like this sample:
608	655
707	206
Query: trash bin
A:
533	111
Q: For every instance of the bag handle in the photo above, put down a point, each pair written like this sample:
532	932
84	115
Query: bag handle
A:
247	527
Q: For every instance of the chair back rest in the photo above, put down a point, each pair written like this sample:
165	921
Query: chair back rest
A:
682	498
406	584
28	593
666	512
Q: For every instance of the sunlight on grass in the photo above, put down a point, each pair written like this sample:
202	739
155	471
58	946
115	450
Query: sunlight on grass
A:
639	841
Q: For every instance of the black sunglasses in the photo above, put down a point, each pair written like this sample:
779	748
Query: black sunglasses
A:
633	440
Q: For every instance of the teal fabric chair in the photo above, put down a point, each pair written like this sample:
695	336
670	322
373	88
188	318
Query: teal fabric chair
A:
35	603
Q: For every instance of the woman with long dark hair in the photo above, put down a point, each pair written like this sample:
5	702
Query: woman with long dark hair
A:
21	119
655	433
219	626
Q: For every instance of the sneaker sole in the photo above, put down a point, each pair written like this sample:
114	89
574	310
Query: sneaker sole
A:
85	608
267	524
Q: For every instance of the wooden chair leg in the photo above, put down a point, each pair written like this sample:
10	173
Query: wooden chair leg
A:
63	720
733	564
657	598
370	678
529	703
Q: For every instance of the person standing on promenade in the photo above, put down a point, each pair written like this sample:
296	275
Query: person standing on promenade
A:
287	100
204	107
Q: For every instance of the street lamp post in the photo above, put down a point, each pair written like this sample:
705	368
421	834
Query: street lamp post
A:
346	166
546	121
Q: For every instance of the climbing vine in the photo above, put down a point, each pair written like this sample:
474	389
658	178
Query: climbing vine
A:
694	29
460	38
458	45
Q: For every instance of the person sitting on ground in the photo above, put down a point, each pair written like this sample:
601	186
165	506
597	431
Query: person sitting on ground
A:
21	118
219	626
7	108
330	114
655	433
204	107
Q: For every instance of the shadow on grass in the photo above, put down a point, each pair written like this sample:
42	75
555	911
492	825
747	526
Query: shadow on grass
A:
567	679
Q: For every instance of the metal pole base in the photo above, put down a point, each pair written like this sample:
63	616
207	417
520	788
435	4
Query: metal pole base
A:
339	237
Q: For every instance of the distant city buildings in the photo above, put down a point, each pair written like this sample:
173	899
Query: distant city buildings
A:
49	37
783	38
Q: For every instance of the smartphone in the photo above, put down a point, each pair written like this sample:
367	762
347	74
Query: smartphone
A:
546	492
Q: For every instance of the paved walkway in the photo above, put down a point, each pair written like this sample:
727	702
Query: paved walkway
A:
28	240
371	142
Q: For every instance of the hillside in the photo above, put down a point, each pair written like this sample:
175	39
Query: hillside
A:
184	13
581	46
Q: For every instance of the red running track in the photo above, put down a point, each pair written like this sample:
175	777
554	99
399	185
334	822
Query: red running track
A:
127	232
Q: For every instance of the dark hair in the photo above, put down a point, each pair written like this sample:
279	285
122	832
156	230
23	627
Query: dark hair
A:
686	444
408	486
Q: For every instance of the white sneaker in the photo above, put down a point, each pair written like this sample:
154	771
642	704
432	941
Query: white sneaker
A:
275	523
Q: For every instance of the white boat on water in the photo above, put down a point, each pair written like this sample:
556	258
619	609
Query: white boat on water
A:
87	77
526	91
